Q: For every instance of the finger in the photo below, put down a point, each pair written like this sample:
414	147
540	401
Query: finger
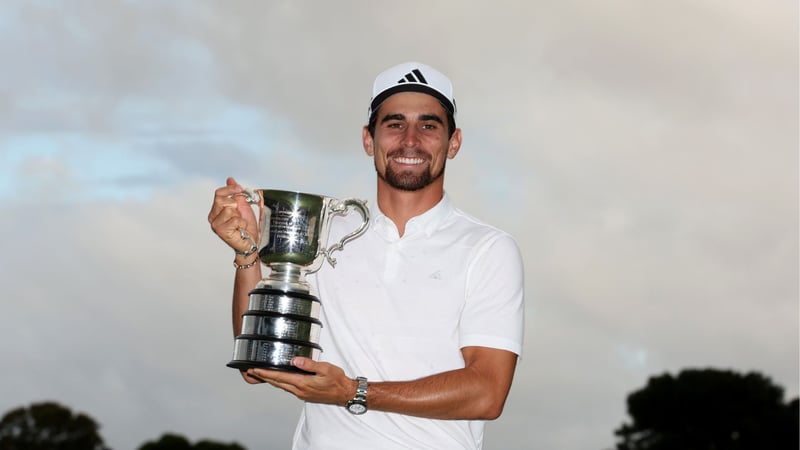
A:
282	377
227	217
222	200
268	375
233	194
228	225
222	206
244	205
250	373
225	208
290	388
249	378
231	232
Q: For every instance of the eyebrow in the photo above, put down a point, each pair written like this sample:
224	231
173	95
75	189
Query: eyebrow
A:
389	117
433	117
422	117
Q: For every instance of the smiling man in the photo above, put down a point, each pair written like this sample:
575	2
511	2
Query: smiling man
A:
423	314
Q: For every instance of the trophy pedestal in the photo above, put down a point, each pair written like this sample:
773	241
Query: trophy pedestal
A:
277	326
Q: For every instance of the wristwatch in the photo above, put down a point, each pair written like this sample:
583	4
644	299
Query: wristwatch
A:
358	405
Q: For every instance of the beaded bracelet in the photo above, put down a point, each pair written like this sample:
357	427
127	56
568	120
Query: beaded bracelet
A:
246	266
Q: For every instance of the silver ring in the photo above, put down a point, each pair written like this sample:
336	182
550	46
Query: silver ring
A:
253	247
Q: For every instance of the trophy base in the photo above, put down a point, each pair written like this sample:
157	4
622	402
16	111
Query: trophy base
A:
254	351
244	365
278	325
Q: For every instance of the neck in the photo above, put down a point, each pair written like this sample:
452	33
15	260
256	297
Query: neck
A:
400	206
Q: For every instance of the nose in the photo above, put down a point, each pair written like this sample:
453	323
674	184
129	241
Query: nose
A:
411	137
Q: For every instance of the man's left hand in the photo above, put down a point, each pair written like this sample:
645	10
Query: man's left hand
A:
325	382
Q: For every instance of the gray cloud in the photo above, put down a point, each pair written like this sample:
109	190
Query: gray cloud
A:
645	157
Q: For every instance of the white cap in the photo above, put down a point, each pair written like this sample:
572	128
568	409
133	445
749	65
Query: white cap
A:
413	77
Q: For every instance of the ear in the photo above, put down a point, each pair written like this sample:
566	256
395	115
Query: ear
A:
366	140
454	144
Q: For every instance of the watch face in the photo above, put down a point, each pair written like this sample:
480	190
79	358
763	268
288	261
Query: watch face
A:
357	408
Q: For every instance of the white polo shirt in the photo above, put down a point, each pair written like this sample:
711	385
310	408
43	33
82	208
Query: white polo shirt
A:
400	308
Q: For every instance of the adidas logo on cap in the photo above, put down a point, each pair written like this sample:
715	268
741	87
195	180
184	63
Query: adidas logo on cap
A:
413	77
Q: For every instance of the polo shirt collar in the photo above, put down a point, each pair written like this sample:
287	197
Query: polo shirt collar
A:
427	222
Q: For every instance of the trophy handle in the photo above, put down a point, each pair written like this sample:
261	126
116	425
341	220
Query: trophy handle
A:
338	208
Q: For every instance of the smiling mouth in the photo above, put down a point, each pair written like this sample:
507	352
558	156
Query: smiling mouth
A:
408	161
408	157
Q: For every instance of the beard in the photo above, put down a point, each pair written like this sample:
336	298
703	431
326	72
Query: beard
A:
407	180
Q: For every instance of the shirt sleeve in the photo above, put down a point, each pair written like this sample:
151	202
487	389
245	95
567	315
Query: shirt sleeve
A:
494	310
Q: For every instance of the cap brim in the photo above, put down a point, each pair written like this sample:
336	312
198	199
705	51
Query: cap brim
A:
412	87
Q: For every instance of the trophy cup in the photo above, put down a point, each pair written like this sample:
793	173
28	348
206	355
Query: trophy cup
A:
282	319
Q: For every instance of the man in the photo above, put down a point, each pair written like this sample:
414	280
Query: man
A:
426	308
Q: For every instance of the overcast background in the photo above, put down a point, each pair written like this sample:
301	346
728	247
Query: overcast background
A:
644	155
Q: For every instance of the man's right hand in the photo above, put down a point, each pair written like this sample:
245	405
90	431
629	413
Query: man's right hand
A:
230	213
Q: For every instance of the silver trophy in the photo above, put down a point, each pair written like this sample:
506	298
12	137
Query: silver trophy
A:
282	319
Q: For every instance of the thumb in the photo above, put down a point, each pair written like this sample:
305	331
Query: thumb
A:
304	363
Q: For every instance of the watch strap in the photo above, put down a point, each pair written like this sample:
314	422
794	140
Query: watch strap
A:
358	405
361	390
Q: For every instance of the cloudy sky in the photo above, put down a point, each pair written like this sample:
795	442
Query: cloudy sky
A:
644	155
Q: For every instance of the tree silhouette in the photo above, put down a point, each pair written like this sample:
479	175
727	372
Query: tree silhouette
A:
213	445
171	441
48	426
168	441
705	409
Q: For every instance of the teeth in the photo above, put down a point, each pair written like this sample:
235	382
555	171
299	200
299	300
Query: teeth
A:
409	160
